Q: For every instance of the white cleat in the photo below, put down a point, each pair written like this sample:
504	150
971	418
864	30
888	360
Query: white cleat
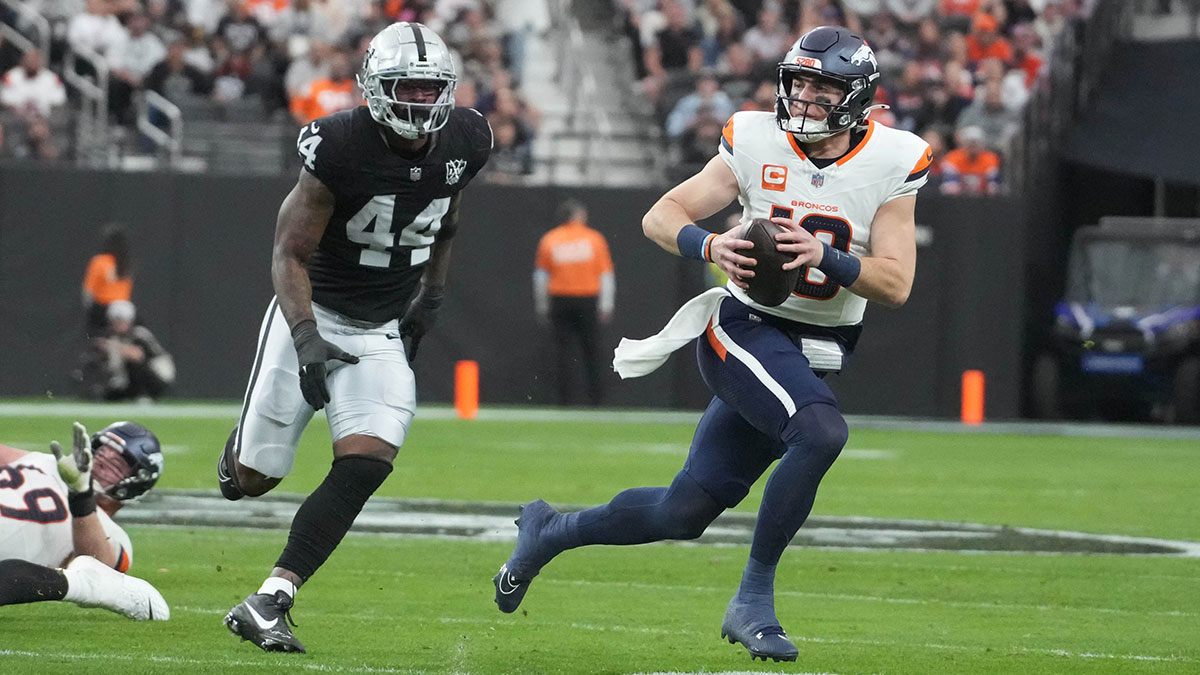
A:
91	583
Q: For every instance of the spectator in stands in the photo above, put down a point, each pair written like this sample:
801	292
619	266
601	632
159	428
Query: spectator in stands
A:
108	279
956	14
1012	83
511	150
768	37
1018	13
33	100
95	30
971	169
763	98
313	66
721	26
989	113
708	96
984	42
509	107
240	29
697	142
958	80
909	97
126	362
177	80
928	49
911	13
739	72
1049	24
673	51
519	21
1025	57
940	107
293	29
327	95
129	62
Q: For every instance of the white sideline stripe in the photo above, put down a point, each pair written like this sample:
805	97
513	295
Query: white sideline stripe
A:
230	411
230	663
755	367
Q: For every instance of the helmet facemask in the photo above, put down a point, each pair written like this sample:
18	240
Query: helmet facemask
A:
391	98
122	472
839	114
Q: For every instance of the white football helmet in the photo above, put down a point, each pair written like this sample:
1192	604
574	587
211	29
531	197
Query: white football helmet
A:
408	79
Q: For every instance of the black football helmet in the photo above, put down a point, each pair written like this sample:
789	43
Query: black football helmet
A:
127	460
839	56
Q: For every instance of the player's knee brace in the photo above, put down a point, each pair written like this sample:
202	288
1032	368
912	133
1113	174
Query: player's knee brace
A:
819	429
329	511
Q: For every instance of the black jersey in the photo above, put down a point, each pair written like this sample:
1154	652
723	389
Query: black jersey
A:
388	208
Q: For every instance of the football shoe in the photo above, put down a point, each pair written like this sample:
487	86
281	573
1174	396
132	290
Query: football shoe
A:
757	629
263	620
529	556
98	585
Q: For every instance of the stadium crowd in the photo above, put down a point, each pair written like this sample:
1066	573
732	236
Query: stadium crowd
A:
956	72
277	59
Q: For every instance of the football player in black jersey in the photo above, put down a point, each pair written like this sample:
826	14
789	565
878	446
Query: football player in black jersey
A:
362	246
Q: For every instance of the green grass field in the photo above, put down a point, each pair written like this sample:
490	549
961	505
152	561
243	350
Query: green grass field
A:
387	604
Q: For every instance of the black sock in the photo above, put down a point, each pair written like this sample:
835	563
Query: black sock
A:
327	514
22	581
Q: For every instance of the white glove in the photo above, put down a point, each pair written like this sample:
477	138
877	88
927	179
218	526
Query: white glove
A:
75	468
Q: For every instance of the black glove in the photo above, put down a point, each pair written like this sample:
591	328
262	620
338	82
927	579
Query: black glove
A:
312	351
421	315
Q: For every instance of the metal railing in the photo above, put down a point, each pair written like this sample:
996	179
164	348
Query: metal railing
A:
587	119
27	18
91	127
170	140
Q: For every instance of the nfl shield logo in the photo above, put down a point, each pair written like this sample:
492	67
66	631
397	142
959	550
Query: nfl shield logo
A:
818	179
414	173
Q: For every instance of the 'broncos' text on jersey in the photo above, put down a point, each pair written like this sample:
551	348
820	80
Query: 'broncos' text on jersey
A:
388	209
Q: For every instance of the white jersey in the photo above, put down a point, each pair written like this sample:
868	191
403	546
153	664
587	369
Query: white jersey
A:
836	203
35	524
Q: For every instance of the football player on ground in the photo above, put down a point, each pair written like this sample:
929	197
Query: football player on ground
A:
845	189
56	510
371	218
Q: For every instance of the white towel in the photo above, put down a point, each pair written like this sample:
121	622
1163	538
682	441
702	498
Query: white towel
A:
635	358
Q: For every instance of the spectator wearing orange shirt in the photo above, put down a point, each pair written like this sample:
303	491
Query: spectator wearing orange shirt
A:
327	95
573	289
971	169
983	42
109	278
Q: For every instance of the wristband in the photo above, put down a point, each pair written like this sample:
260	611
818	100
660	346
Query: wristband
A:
430	298
839	266
304	330
695	242
82	504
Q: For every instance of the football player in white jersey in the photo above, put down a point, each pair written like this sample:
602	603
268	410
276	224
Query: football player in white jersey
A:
844	189
55	511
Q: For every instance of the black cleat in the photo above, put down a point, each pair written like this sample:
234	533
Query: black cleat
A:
263	619
760	635
509	590
227	471
529	556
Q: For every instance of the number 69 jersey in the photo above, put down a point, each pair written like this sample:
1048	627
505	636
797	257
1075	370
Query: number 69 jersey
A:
836	203
388	208
35	523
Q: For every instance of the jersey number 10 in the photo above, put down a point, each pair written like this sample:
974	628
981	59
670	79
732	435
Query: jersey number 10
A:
828	229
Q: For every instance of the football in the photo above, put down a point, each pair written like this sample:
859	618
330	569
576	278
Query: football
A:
771	284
